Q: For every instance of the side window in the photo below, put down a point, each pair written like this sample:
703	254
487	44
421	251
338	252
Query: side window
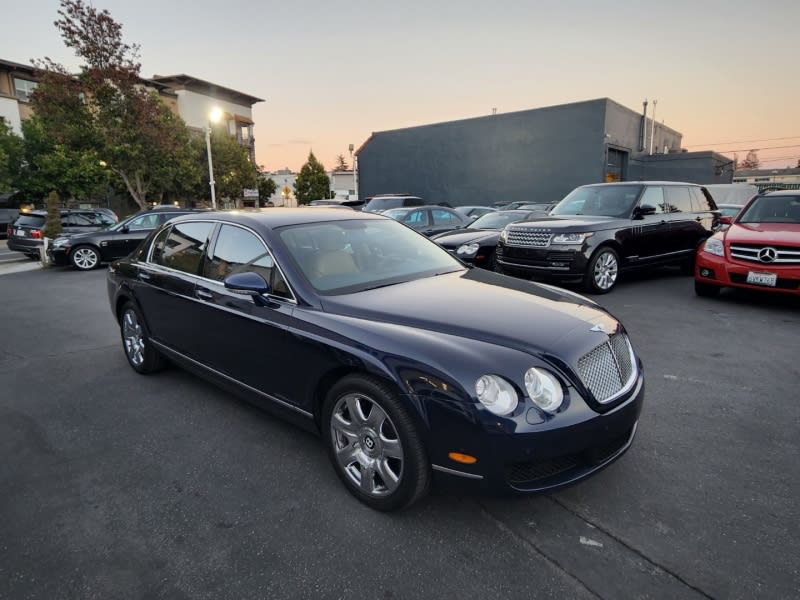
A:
678	199
184	247
149	221
238	250
653	196
159	243
417	218
443	217
700	200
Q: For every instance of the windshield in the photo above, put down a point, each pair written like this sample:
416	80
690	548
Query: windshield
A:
772	209
600	201
351	256
497	220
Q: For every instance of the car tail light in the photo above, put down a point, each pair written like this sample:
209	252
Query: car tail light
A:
8	231
35	233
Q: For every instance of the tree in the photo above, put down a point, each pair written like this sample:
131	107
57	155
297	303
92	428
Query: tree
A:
52	224
106	108
341	164
266	188
312	182
11	150
233	171
751	161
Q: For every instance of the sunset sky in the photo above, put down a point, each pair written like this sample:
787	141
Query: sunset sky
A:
724	72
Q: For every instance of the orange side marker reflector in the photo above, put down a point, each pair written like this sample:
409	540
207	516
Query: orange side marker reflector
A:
462	458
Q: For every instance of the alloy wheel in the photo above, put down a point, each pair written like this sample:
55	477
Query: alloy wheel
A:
133	338
606	270
366	445
85	259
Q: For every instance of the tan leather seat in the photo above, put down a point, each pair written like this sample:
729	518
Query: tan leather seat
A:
332	259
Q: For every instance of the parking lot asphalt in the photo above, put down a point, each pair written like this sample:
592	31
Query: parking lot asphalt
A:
116	485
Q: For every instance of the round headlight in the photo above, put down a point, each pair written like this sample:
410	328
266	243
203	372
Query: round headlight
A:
496	394
544	389
468	248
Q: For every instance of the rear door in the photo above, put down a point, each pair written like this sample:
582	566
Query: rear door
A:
167	290
684	223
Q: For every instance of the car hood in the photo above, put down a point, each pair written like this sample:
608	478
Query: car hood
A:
780	234
573	223
482	305
453	239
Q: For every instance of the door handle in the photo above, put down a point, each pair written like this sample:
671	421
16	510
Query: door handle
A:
205	295
144	276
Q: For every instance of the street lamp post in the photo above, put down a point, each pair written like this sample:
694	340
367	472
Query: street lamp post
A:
214	117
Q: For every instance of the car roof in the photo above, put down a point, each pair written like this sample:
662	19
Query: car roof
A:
782	193
273	218
623	183
39	212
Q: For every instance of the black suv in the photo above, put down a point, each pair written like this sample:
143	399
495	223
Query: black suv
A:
86	251
25	233
596	231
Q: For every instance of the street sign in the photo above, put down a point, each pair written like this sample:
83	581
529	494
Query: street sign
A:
250	193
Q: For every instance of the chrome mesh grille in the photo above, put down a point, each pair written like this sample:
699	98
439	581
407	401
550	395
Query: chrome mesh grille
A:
520	236
608	368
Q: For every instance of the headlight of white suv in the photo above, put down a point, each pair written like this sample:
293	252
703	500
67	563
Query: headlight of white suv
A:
714	246
544	389
570	238
467	249
496	394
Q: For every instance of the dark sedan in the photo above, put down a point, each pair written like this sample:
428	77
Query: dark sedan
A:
476	243
88	250
360	329
429	220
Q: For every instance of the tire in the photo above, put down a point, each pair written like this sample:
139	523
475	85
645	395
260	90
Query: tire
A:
373	444
85	258
491	263
142	356
602	271
705	290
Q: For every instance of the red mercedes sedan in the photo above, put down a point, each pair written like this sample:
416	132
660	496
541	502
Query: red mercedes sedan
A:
760	250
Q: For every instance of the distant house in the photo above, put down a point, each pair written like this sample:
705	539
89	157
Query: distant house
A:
534	155
779	179
190	98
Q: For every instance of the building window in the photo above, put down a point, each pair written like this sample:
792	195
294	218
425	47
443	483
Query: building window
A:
23	89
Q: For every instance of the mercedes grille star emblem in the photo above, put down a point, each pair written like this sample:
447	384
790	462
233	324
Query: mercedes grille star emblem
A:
767	255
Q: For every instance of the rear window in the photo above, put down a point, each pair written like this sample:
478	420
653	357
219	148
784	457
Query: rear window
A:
388	202
30	220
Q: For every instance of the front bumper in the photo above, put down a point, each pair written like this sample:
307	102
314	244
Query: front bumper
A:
58	256
563	263
566	449
711	269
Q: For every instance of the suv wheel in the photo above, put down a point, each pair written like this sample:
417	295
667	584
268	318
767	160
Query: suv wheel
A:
603	270
85	258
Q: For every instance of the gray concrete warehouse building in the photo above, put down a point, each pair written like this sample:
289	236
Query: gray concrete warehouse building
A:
534	155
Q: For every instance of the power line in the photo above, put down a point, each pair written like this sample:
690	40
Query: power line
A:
758	149
791	137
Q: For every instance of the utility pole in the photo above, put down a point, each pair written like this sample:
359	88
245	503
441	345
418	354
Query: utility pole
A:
653	127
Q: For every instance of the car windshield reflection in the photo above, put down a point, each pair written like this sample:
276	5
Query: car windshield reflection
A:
350	256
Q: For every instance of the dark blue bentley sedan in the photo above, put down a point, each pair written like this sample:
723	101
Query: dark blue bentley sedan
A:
409	364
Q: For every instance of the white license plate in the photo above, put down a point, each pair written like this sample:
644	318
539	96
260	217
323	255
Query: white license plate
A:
19	232
768	279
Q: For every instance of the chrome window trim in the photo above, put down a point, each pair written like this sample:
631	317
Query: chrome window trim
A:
149	258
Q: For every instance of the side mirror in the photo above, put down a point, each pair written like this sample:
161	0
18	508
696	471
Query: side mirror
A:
248	283
645	209
125	229
726	219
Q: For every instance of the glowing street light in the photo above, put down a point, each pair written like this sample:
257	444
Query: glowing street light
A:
214	116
